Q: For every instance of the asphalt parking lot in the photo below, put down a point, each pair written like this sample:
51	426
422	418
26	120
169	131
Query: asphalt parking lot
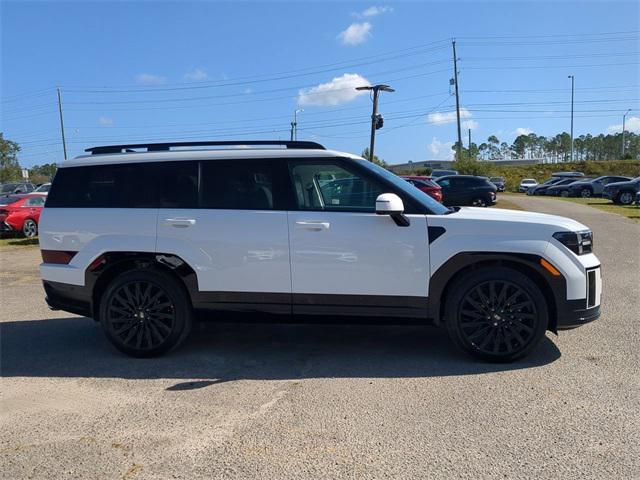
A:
323	401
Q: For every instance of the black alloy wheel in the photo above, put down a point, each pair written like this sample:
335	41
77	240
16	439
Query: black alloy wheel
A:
145	313
497	315
585	193
564	193
478	202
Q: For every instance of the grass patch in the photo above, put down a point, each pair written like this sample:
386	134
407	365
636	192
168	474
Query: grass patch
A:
629	211
21	242
504	203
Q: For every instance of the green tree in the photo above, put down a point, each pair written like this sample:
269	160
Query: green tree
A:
9	167
42	173
377	160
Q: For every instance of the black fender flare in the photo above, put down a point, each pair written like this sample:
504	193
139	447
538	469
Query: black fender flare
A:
443	279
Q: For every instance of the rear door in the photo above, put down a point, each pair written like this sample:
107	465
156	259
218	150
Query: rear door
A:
345	259
225	219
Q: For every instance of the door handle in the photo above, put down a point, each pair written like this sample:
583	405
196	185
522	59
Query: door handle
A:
313	226
180	222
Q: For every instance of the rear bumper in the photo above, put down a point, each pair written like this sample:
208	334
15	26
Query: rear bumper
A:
69	298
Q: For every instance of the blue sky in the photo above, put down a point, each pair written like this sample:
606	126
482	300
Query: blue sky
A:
137	71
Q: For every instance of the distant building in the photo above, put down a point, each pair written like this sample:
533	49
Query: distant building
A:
448	164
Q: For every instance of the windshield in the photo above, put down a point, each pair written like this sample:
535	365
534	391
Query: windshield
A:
406	188
43	188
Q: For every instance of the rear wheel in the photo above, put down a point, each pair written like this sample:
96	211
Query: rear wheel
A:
564	193
496	314
145	313
30	228
626	198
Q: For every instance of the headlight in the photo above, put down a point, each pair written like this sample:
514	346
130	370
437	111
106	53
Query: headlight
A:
579	243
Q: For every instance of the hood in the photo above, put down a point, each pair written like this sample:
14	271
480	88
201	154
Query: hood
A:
516	216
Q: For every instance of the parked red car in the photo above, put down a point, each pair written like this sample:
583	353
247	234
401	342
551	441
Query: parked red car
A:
21	213
427	185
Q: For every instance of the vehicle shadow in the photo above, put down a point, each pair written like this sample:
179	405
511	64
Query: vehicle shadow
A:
215	353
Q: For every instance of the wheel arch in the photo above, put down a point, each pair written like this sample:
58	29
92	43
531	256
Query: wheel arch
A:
445	278
109	265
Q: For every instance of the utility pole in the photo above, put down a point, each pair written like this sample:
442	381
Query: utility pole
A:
294	124
469	144
64	142
376	120
455	79
624	118
572	89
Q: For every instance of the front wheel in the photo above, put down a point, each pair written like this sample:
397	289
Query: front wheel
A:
145	313
478	202
496	314
585	193
30	228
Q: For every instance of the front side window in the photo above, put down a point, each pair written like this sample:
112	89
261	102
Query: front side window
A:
329	186
34	202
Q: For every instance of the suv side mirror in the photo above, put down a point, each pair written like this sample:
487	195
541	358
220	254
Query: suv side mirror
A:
392	205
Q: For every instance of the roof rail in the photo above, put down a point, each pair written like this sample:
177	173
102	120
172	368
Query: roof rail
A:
157	147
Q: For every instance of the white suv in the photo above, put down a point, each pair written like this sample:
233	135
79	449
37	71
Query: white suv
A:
147	238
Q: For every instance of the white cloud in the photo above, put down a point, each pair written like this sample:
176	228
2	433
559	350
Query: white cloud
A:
195	75
336	92
522	131
631	125
355	33
373	11
442	118
150	79
105	121
439	150
469	125
248	91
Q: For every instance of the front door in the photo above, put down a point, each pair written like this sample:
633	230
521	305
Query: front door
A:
345	259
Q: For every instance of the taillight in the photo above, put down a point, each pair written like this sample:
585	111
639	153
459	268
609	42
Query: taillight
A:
60	257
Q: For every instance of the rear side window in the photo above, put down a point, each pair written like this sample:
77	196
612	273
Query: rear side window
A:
131	185
239	185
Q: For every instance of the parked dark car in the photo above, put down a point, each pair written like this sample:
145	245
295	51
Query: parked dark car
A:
459	190
561	190
17	188
498	182
543	187
426	185
443	173
594	187
622	192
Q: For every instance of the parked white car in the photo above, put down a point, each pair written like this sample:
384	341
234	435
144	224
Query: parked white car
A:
143	237
42	189
526	184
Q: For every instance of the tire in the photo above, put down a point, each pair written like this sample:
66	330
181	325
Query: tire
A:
480	319
626	198
478	202
585	193
30	228
564	193
145	313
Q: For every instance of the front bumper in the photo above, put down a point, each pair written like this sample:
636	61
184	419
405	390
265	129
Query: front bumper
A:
6	228
569	319
608	194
